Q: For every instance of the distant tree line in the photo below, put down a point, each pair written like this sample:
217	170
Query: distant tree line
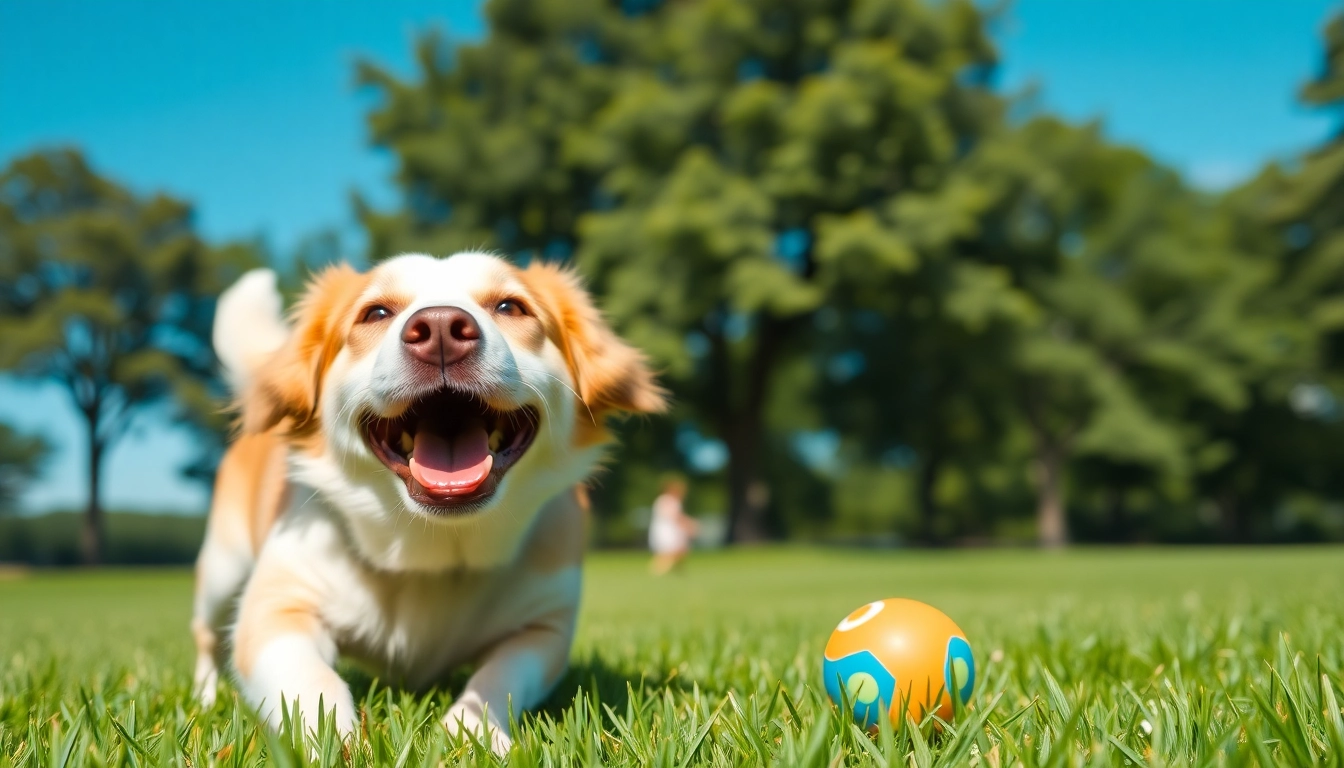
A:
888	302
56	538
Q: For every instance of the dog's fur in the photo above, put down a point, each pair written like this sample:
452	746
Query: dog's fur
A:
325	551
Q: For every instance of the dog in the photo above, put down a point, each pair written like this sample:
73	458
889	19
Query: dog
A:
406	489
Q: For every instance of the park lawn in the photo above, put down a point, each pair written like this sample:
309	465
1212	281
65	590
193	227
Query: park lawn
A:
1091	657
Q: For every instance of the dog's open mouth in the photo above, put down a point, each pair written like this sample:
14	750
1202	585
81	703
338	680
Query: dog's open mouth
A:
451	449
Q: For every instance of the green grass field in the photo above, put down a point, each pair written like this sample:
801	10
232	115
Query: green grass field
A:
1094	657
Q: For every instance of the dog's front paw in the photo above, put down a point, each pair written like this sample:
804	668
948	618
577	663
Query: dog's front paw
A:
205	684
467	716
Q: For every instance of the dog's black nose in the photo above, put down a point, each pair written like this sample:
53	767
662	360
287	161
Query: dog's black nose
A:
441	336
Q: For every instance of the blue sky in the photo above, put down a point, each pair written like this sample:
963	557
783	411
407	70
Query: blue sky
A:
249	110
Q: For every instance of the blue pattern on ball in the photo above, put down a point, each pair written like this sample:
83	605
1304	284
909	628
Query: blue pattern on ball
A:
958	648
837	674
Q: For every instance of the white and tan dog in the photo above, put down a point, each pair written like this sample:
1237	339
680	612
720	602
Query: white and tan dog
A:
406	488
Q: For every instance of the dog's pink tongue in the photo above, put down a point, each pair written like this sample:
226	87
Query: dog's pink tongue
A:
453	466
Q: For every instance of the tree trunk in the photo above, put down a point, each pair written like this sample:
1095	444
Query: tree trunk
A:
93	538
1119	514
1052	525
741	424
929	469
748	495
1231	526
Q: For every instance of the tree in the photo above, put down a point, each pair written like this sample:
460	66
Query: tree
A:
754	152
20	461
108	294
1114	305
1289	443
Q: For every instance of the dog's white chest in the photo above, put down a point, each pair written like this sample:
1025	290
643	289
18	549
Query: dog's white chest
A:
417	627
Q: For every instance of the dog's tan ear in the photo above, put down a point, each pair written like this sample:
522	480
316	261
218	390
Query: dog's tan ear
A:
610	375
288	386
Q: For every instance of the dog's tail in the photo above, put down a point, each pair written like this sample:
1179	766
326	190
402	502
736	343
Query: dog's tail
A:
249	326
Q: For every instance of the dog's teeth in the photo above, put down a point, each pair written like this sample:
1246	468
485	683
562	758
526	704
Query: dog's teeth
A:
407	444
496	438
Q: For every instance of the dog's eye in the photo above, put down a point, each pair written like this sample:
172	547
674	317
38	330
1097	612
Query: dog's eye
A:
375	313
510	308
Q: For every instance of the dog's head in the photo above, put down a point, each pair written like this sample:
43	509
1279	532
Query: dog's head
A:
447	387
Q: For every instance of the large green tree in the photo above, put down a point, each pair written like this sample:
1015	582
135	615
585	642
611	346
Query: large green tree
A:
762	156
1086	297
110	295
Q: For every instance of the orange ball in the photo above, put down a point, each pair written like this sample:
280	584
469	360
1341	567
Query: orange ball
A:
898	655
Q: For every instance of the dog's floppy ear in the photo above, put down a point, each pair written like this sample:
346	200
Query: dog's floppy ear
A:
610	375
288	386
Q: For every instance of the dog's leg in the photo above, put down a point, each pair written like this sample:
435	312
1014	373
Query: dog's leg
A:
249	492
516	675
284	654
220	573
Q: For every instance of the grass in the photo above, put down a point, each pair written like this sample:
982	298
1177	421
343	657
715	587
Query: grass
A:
1094	657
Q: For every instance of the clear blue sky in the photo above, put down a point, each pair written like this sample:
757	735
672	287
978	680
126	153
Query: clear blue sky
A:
249	110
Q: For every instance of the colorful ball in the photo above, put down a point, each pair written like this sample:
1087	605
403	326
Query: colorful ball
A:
895	654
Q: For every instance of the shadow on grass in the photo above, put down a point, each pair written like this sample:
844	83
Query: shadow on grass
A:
604	684
364	684
590	678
